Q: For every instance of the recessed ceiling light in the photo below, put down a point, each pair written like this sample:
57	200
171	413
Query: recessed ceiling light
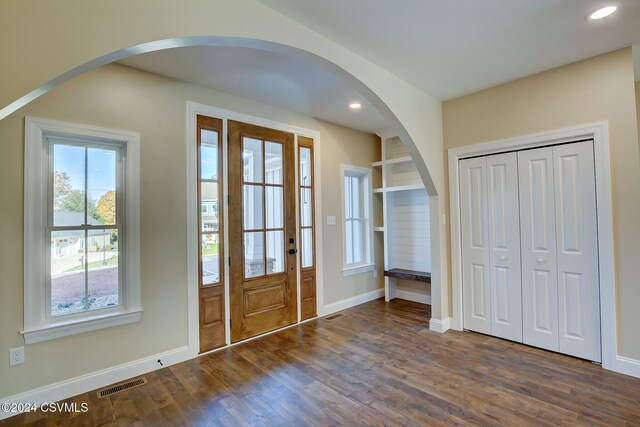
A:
355	106
601	13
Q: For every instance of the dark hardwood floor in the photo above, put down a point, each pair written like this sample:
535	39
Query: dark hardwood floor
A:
378	364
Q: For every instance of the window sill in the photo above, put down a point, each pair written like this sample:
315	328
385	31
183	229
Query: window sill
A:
350	271
77	326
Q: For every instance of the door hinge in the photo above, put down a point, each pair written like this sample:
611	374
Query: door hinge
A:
228	198
229	261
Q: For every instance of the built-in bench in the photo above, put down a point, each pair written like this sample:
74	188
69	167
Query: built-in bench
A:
399	273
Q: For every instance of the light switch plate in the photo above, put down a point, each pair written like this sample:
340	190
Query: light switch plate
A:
331	220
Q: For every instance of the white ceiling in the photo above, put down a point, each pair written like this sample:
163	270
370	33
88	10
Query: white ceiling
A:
449	48
272	78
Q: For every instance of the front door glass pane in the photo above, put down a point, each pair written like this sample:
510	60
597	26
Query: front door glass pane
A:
273	163
253	254
253	207
275	207
275	251
252	159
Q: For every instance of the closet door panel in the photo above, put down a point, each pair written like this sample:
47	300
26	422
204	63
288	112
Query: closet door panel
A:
475	245
538	248
504	243
578	284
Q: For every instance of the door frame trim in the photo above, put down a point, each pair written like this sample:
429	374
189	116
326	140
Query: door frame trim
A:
599	132
192	110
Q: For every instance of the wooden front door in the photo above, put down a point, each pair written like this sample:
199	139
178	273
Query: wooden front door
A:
262	232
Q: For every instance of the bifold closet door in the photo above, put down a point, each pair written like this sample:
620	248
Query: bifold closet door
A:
504	246
476	295
538	236
577	251
560	286
491	246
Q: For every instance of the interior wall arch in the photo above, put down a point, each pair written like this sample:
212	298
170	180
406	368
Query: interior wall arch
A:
439	294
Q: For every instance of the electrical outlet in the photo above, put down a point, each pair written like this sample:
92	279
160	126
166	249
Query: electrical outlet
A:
16	356
331	220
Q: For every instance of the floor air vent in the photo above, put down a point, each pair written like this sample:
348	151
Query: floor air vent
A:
334	316
108	391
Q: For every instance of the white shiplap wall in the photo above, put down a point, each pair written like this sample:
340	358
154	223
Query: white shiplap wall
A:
409	230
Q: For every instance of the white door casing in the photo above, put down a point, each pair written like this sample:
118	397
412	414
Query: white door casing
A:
577	251
504	244
475	245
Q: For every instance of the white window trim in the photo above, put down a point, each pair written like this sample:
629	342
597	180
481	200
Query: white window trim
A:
367	264
37	327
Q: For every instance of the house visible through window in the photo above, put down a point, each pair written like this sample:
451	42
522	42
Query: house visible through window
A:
357	227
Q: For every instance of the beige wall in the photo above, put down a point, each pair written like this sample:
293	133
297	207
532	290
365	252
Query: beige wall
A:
638	106
597	89
123	98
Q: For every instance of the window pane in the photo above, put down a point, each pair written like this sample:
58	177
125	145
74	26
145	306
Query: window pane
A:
210	259
347	197
253	254
275	252
253	207
68	185
306	207
252	159
101	186
209	207
273	162
348	244
208	154
357	242
102	265
355	197
307	248
305	166
67	272
275	207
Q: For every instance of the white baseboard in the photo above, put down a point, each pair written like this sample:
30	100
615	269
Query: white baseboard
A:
438	325
78	385
627	366
413	296
351	302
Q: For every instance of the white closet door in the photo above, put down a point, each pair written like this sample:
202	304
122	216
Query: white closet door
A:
504	246
577	245
538	250
475	245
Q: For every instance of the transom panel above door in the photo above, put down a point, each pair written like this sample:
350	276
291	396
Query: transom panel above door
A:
262	230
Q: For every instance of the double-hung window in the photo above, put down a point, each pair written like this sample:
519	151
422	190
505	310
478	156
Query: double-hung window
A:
357	227
81	229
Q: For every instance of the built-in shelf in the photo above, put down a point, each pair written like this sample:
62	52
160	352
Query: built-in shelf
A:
405	224
404	188
404	159
399	188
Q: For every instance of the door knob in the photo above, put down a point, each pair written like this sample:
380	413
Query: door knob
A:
291	251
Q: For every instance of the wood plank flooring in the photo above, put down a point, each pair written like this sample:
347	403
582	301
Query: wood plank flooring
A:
378	364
